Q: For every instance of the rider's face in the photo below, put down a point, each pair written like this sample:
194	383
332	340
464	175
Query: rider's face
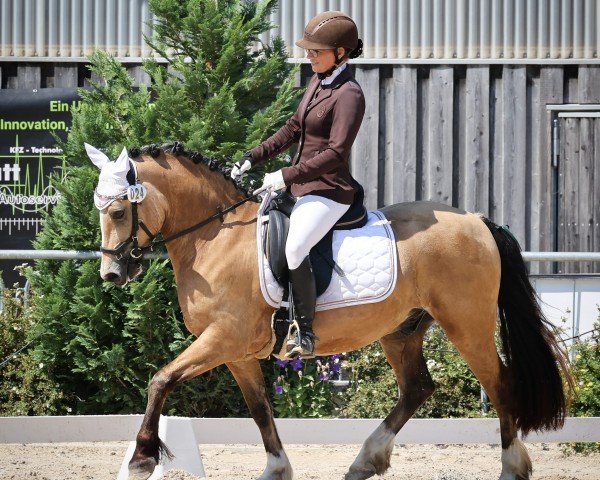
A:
322	60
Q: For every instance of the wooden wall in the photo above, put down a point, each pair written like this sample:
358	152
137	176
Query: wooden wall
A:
24	75
478	137
578	187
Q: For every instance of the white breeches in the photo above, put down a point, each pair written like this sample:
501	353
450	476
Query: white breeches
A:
312	217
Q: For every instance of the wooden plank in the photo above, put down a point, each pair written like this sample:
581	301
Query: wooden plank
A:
542	231
477	134
460	159
572	90
29	76
11	81
386	141
585	200
596	202
496	188
514	146
385	138
589	84
422	134
560	196
534	116
401	166
95	78
364	162
140	77
439	159
568	191
65	75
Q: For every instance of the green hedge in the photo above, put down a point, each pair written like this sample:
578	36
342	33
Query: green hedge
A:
586	371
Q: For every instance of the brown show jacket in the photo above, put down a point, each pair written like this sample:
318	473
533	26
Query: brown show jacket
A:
325	126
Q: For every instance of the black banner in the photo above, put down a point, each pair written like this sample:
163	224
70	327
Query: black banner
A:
28	155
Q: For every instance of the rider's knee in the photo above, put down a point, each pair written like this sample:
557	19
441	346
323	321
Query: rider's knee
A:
295	252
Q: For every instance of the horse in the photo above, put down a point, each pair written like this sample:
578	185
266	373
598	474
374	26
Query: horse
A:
455	268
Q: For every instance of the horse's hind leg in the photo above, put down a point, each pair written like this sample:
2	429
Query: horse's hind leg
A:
404	351
252	383
472	332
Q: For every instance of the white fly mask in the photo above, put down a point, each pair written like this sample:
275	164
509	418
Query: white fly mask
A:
113	183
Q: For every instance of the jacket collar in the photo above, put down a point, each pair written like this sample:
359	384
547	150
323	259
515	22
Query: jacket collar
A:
341	78
329	80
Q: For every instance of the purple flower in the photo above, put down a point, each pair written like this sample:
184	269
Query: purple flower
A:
335	357
323	376
281	363
335	367
278	389
296	364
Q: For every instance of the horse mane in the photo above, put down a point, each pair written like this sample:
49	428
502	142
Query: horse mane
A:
177	149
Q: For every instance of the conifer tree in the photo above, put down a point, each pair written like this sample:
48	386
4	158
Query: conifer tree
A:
220	92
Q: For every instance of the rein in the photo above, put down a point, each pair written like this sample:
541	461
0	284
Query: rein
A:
220	213
137	252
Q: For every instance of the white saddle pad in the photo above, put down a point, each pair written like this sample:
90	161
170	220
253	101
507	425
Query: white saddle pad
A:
366	255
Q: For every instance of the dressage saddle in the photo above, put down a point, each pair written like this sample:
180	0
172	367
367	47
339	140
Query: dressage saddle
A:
321	255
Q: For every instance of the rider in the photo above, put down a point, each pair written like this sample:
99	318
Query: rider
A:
324	126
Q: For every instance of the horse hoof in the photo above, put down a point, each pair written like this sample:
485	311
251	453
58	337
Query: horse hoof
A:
141	469
280	474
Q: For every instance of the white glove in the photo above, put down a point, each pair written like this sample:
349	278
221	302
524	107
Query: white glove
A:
240	168
273	181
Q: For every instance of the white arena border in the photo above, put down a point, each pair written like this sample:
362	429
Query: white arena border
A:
108	428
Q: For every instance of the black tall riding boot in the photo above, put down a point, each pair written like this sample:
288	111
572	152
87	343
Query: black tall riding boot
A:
304	297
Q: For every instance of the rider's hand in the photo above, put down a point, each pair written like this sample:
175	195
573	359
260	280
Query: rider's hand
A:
273	181
241	166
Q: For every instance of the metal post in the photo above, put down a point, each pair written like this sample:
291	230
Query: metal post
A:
555	180
1	295
555	142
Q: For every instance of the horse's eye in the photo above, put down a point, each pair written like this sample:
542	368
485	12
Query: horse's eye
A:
116	214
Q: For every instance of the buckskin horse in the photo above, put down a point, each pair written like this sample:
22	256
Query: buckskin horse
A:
456	268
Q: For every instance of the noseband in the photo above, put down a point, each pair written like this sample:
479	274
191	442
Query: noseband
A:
136	253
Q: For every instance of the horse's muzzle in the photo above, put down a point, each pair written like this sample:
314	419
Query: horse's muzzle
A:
120	272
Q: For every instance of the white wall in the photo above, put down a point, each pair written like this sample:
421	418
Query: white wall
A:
570	303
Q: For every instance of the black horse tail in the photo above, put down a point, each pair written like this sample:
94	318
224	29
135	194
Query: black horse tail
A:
533	356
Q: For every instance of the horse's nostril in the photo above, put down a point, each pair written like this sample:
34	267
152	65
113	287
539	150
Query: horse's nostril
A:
110	277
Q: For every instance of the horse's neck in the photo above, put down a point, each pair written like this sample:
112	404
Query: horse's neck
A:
193	194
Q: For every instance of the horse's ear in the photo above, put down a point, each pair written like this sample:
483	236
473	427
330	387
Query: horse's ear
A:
96	156
122	162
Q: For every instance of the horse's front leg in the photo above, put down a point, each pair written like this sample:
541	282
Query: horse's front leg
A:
202	355
252	383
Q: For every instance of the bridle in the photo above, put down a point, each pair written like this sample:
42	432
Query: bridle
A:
136	254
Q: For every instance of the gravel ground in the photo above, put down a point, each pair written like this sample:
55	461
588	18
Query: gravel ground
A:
101	461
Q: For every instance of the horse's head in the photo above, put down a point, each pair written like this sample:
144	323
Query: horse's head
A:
121	199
